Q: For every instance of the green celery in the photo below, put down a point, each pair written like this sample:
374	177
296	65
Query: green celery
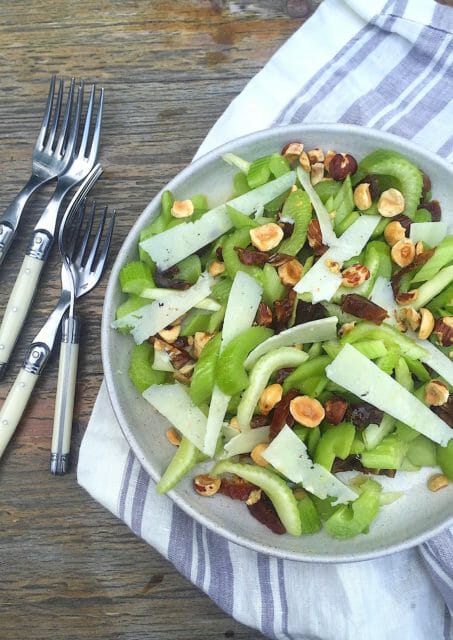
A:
380	228
309	518
357	445
240	184
198	322
221	290
240	220
418	369
445	459
185	458
403	375
442	256
275	205
385	261
129	306
423	215
350	520
343	203
298	207
332	348
326	189
388	362
442	305
189	269
216	319
136	276
433	287
336	441
314	386
308	369
422	452
301	432
278	165
165	217
369	331
354	260
239	238
273	289
324	507
373	434
259	172
333	309
141	371
237	161
346	222
315	350
371	349
203	377
405	433
388	454
312	442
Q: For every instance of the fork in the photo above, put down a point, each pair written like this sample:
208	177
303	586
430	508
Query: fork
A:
49	160
42	238
41	347
84	270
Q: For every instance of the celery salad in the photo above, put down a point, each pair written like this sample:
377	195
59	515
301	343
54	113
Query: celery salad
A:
302	329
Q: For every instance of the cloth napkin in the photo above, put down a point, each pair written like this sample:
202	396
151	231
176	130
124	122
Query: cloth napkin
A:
382	64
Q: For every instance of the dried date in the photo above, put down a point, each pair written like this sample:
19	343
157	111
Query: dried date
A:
282	414
335	409
264	512
419	260
251	257
283	311
264	315
362	414
363	308
307	312
237	488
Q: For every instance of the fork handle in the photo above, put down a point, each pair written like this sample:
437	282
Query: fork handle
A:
64	402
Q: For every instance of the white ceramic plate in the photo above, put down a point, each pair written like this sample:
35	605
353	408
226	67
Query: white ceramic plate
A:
414	518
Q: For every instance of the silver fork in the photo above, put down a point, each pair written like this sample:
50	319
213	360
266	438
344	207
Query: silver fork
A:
40	349
49	160
41	241
84	269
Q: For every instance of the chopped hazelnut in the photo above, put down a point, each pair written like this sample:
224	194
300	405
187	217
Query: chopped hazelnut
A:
407	297
173	437
437	481
304	161
269	398
182	209
257	455
342	165
394	232
412	317
427	324
307	411
333	266
419	248
292	151
444	331
206	485
200	340
391	203
216	268
317	172
254	497
403	252
267	236
316	155
354	275
234	423
170	335
436	393
329	155
347	328
362	196
290	273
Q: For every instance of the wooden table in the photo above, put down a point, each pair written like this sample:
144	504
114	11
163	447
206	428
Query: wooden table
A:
68	568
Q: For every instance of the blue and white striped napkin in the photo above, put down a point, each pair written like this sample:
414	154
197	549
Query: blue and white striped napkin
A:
382	64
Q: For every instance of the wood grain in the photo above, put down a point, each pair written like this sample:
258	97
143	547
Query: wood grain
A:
68	569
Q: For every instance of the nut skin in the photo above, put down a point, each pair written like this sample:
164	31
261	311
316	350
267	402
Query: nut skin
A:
314	235
403	252
304	161
182	209
307	411
362	196
173	437
437	481
436	393
391	203
290	273
411	316
266	237
316	155
170	335
329	155
426	324
335	409
342	165
317	172
407	297
257	455
216	268
269	398
444	331
199	342
292	151
394	232
355	275
206	485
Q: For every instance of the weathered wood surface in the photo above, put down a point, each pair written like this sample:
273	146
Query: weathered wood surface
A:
68	569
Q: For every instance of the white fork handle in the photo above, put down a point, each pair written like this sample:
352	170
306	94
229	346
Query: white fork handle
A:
14	406
18	307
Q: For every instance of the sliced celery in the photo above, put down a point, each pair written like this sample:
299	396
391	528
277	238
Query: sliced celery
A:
189	269
373	434
185	458
278	165
336	441
135	276
422	452
239	219
434	286
273	289
309	518
372	349
259	172
403	375
141	371
327	189
237	161
388	454
442	256
298	207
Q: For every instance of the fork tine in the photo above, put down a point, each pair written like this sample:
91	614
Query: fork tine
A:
97	130
86	236
97	239
105	249
56	117
64	127
46	117
86	129
76	222
72	138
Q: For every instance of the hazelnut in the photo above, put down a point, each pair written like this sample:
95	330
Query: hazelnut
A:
342	165
347	328
158	345
304	162
329	155
173	437
290	273
400	324
362	196
436	393
292	151
419	248
257	455
316	155
254	497
267	236
412	317
333	266
200	339
182	209
407	297
403	252
169	335
355	275
437	481
269	398
182	378
307	411
234	423
391	203
317	172
216	268
394	232
444	331
206	485
314	234
427	324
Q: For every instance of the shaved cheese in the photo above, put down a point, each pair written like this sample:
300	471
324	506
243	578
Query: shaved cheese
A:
172	401
320	281
325	223
315	331
175	244
360	376
243	302
152	318
382	295
430	232
156	293
245	442
288	454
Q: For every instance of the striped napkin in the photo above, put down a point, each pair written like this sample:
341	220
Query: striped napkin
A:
382	64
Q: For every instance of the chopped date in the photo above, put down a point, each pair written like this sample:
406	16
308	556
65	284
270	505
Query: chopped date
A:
306	312
419	260
279	259
404	221
236	488
287	228
264	315
363	308
335	409
165	280
258	421
282	374
426	185
433	207
445	411
283	311
362	414
353	463
251	257
264	512
181	342
219	254
180	357
282	415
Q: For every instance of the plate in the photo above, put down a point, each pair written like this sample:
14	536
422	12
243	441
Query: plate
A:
417	516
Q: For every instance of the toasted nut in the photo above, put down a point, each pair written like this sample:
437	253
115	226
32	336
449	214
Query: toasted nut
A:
317	172
333	266
304	161
158	345
401	326
206	485
170	335
444	331
342	165
314	235
180	377
269	398
257	455
419	248
436	393
362	196
329	155
216	268
391	203
182	209
437	481
427	323
234	423
267	236
307	411
354	275
407	297
200	339
290	273
394	232
411	316
403	252
293	188
316	155
173	437
292	150
347	328
254	497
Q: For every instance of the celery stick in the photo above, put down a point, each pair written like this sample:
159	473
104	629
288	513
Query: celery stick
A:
185	458
442	256
430	289
373	434
388	454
